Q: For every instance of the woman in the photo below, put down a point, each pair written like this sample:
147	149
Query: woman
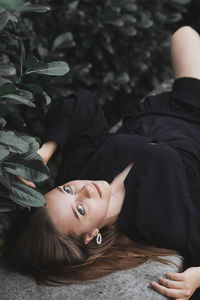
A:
119	194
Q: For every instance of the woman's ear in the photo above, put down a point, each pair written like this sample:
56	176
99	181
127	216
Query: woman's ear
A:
89	236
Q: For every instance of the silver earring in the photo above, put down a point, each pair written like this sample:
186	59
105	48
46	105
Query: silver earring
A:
99	238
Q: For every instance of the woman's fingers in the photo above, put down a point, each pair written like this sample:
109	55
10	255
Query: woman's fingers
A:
169	292
27	182
170	283
175	276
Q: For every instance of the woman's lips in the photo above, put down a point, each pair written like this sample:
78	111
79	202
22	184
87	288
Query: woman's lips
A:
98	189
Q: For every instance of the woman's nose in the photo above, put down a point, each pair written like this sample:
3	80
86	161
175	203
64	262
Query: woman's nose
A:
88	191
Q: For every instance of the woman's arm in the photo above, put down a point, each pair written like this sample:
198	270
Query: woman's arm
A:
180	286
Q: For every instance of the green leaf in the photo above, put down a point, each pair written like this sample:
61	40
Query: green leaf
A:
174	17
6	205
33	63
132	8
65	39
7	89
10	4
30	141
5	179
33	170
4	58
120	2
108	47
4	17
28	7
4	81
56	68
4	152
183	2
26	94
16	145
7	70
22	56
3	122
116	22
145	21
123	78
47	98
31	154
38	90
15	99
128	30
26	196
73	4
128	19
13	18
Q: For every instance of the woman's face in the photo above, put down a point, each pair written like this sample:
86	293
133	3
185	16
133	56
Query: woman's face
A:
79	207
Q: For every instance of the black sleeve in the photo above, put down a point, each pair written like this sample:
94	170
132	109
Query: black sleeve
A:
163	203
76	116
166	214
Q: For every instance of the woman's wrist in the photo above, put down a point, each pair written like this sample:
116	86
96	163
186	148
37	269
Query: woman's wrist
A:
47	150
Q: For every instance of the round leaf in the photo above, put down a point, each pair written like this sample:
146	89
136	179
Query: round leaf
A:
183	2
28	7
4	16
26	196
15	144
6	205
38	90
56	68
27	172
4	81
7	70
32	62
15	99
10	4
3	153
7	89
63	38
3	122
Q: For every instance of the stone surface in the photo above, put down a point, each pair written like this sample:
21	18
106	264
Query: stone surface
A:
133	284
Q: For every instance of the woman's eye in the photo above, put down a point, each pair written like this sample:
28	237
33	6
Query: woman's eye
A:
67	189
81	209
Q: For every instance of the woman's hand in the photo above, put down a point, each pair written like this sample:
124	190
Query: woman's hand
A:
179	286
46	152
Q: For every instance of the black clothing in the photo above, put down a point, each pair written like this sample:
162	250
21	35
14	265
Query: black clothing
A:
162	199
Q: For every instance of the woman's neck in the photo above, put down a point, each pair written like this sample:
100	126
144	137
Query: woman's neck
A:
117	197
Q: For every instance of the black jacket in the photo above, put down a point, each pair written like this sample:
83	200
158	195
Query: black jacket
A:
162	198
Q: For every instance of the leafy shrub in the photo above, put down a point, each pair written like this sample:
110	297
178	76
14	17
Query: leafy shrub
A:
117	48
18	151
